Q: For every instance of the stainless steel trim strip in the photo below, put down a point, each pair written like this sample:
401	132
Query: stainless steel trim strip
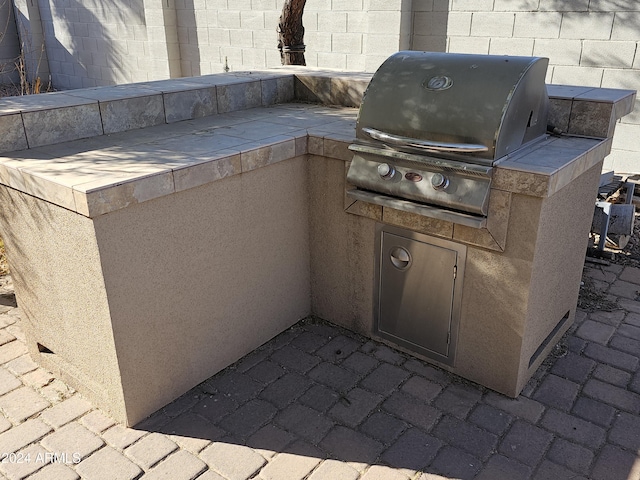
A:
440	163
399	140
420	209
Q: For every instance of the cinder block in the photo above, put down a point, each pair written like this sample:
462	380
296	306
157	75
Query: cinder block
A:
241	38
469	45
83	57
605	5
219	36
310	21
253	58
594	26
373	62
623	161
511	6
154	17
99	60
492	24
332	60
472	5
347	5
625	26
356	63
321	5
240	4
125	32
252	20
511	46
191	53
357	22
266	39
332	22
457	23
608	54
311	58
346	43
80	29
439	23
140	32
89	44
624	78
568	75
626	138
233	57
537	25
135	48
571	6
272	19
200	37
384	22
560	52
381	44
228	19
373	5
434	43
70	15
94	72
318	41
423	6
264	4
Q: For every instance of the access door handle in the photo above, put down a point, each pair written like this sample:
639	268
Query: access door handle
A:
400	258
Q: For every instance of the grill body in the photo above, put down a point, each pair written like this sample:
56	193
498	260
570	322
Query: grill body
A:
432	126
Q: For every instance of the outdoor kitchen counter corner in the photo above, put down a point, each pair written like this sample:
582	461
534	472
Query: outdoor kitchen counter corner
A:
181	224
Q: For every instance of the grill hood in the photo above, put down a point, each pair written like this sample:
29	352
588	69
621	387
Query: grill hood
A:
480	106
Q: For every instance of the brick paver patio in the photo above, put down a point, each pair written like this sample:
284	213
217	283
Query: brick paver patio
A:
319	402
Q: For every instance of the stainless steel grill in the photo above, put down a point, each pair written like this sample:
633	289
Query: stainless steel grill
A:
432	126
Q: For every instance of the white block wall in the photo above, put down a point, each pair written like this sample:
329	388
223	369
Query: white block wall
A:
95	43
103	42
241	34
588	42
9	44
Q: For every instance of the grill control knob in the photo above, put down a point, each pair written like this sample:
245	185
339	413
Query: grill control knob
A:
439	181
386	171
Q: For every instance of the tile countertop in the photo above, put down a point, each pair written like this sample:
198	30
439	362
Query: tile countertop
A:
106	172
101	174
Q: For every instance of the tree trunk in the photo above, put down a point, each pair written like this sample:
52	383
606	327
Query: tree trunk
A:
291	33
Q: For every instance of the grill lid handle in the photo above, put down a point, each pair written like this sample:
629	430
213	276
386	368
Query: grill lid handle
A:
400	141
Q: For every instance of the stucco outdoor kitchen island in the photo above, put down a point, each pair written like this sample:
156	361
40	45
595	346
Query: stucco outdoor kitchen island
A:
159	232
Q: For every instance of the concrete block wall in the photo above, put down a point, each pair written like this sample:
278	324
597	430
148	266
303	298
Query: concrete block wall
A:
30	32
9	43
355	35
95	43
216	35
588	42
220	35
105	43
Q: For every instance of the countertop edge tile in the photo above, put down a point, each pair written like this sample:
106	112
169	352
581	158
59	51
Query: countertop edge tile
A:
104	200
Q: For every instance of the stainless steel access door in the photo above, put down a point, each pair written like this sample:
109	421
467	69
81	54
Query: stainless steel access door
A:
419	292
